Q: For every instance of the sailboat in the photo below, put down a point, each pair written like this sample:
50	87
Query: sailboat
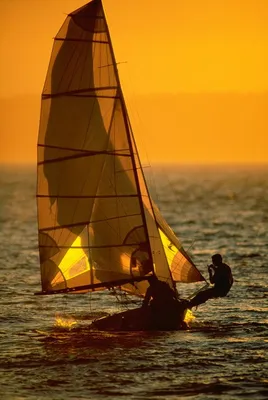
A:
98	226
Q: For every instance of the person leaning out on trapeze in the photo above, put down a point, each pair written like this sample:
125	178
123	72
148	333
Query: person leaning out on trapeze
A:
220	275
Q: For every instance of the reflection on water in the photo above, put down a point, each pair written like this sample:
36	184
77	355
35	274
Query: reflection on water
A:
65	323
47	348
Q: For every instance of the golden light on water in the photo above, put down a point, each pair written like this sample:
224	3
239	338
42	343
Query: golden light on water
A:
189	317
66	323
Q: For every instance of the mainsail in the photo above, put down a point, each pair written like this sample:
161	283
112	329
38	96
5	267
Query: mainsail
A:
98	226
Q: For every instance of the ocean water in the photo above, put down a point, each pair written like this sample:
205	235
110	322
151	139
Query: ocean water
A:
47	349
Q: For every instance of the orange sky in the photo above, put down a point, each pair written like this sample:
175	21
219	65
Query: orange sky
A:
191	46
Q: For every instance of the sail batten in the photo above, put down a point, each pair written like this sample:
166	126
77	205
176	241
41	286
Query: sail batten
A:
80	40
86	154
78	91
51	228
88	196
95	246
89	152
85	15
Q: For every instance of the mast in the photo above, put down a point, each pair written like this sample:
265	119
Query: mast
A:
126	119
132	138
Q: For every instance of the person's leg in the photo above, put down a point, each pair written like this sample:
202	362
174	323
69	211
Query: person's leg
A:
202	297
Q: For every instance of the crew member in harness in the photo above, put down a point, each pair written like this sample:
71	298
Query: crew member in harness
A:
220	275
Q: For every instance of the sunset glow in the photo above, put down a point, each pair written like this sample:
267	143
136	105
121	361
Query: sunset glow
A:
193	73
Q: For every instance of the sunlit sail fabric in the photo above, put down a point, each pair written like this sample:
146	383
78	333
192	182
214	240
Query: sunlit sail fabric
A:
181	266
88	200
93	223
97	223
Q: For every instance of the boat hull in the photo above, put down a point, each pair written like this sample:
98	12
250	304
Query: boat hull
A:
143	319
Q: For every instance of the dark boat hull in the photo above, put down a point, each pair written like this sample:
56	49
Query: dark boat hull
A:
143	319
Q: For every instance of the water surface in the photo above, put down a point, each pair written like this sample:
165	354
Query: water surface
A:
47	349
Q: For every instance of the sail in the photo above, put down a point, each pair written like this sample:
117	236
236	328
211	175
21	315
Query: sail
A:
95	217
97	224
180	263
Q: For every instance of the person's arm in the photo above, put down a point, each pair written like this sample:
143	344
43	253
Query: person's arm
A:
211	276
175	294
146	298
230	275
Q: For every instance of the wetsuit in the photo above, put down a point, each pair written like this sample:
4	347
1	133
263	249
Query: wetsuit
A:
222	279
161	294
163	306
